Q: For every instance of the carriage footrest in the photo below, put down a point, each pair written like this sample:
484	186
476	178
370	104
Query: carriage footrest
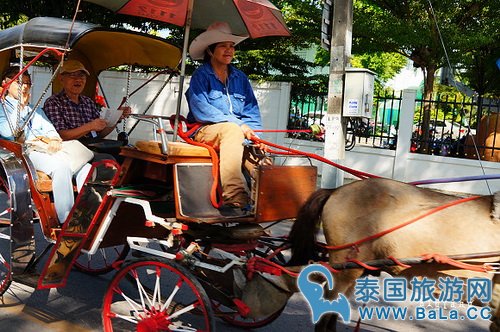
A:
28	279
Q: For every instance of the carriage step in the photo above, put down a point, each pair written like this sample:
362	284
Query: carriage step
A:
28	279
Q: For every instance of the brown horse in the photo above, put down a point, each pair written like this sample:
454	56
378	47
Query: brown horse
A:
367	207
487	139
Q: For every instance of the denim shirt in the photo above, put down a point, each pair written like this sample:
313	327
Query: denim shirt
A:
208	98
39	125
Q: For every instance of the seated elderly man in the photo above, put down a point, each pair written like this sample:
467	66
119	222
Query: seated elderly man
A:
74	115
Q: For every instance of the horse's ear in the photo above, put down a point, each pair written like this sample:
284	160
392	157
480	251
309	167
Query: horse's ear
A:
495	207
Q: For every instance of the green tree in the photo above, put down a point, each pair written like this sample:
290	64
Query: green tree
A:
429	35
385	65
480	71
409	28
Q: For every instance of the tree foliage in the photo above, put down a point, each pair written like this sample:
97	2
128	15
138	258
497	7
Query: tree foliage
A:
431	34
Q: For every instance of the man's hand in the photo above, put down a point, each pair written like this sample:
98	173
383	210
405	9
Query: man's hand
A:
55	145
264	148
97	124
126	110
247	131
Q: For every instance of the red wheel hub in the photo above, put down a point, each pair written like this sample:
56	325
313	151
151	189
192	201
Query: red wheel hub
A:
155	321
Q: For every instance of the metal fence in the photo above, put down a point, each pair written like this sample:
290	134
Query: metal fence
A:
454	122
455	127
379	131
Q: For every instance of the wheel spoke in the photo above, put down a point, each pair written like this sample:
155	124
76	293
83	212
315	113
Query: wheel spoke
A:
182	311
170	298
157	291
143	293
131	319
102	260
133	304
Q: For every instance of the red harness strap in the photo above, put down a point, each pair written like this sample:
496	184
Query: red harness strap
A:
442	259
289	151
215	192
258	264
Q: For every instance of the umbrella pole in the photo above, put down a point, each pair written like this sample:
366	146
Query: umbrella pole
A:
183	67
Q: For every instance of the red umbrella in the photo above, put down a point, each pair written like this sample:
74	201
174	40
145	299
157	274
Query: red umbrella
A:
255	18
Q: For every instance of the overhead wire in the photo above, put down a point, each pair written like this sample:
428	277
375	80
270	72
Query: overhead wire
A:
455	85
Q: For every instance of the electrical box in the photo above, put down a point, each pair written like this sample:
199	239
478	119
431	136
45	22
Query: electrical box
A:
358	92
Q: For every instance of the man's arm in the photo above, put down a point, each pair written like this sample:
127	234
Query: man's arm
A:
97	125
103	133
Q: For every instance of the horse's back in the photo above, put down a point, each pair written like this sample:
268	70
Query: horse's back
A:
372	206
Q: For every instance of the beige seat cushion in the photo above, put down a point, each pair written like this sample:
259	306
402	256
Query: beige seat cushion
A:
175	149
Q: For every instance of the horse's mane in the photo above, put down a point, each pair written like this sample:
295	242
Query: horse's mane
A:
302	237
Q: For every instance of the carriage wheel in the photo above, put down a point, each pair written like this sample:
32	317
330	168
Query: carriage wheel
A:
102	261
5	238
155	294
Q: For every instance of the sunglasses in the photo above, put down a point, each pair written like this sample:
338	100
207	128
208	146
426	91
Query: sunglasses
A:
77	74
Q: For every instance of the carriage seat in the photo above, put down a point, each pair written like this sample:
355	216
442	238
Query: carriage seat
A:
175	149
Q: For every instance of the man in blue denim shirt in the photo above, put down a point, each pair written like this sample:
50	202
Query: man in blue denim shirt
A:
221	97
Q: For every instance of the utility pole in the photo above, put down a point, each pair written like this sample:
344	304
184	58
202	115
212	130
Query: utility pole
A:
340	52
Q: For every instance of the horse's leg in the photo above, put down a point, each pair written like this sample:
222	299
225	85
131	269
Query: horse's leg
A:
327	323
495	305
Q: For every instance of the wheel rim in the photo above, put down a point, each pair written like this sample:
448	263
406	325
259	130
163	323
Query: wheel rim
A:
5	237
156	295
102	261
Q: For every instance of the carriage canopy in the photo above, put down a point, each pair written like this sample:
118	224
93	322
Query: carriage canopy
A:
97	47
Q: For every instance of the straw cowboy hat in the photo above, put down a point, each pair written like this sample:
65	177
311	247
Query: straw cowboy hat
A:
217	32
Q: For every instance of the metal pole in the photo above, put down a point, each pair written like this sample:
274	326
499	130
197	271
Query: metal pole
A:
340	52
183	67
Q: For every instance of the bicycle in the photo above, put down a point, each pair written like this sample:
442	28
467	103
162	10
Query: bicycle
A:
356	127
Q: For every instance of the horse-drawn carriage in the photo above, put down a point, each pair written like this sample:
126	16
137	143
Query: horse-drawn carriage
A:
189	261
157	201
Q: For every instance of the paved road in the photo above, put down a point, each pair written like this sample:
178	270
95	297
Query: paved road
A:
76	308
